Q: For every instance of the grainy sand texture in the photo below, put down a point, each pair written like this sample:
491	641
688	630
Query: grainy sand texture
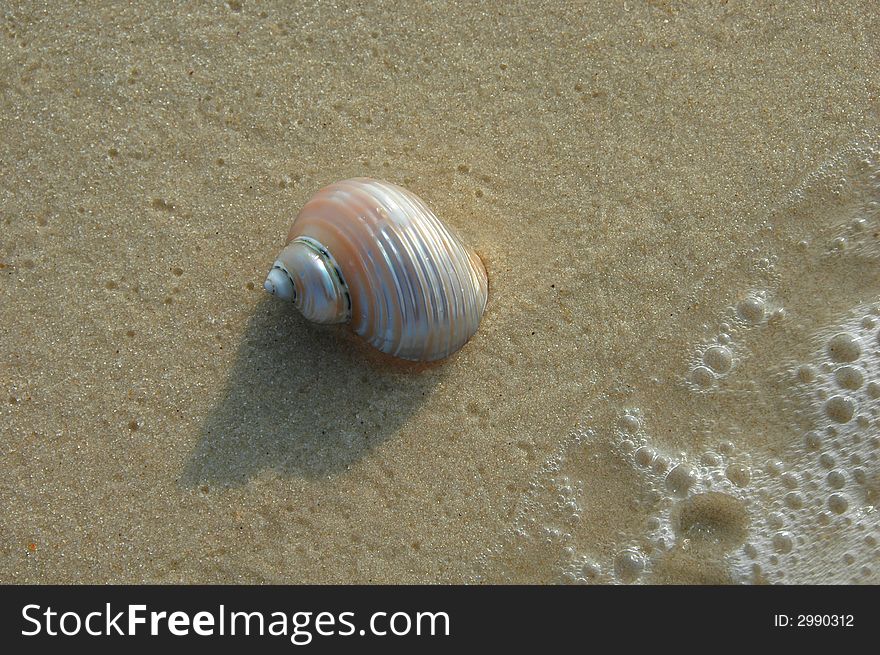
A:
677	378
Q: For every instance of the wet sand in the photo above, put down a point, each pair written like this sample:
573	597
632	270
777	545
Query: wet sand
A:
631	174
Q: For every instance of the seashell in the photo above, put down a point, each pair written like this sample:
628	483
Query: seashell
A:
371	253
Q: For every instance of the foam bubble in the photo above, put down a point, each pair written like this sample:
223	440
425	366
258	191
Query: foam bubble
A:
806	374
775	520
628	565
751	310
844	347
629	423
838	503
794	500
840	408
726	448
738	474
702	376
680	479
590	570
782	542
644	456
790	480
661	464
718	358
836	479
849	377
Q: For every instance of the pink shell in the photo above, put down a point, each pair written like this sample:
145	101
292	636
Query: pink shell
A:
416	290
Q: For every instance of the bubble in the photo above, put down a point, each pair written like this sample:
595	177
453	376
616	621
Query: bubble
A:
782	542
775	520
590	571
848	559
844	347
840	408
661	464
836	479
738	474
702	376
629	424
873	390
718	358
680	479
806	373
790	480
794	500
849	377
826	460
813	441
644	456
628	565
869	322
751	310
838	503
710	459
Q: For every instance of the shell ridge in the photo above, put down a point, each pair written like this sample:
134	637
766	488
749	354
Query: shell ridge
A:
442	327
438	331
389	327
384	319
402	288
405	227
356	244
424	302
453	280
407	301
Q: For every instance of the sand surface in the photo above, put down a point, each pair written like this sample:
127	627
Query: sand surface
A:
644	180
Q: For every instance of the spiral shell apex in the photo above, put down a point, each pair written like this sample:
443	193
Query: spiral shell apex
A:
371	253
